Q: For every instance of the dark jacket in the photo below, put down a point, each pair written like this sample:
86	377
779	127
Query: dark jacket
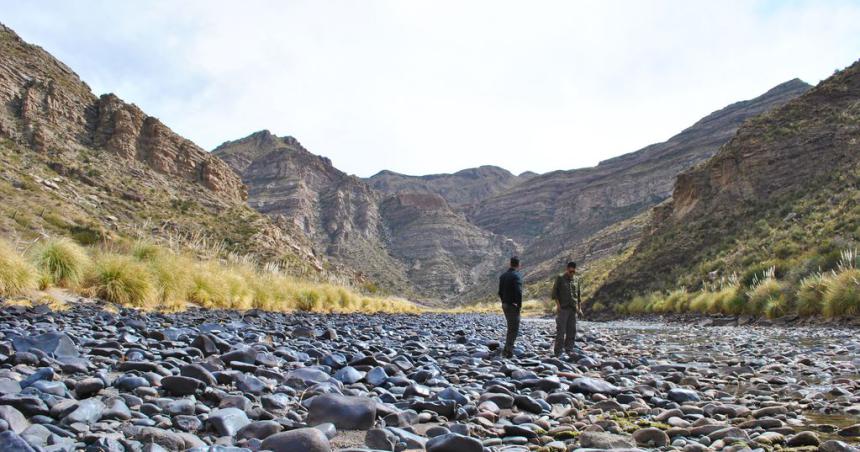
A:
511	287
567	291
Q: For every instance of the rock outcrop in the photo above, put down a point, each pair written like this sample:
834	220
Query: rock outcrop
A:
412	242
462	190
339	212
48	108
796	155
443	253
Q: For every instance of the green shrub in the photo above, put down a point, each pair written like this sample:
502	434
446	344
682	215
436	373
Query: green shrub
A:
810	295
17	276
677	301
122	280
702	301
765	293
63	262
842	295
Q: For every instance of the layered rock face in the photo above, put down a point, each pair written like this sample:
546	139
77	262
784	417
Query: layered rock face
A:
463	190
48	108
554	212
409	242
807	146
442	251
339	212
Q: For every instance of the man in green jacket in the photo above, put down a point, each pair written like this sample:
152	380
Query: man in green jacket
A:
566	292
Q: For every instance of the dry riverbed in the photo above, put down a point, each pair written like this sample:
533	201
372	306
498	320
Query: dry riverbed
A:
220	380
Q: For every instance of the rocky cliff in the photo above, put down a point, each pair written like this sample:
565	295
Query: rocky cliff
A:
339	212
443	253
462	190
794	169
412	242
47	107
96	168
551	214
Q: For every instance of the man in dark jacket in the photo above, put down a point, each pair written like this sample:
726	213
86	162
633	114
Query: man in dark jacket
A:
511	294
566	292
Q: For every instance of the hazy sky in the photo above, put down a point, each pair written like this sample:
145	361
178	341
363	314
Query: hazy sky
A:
436	86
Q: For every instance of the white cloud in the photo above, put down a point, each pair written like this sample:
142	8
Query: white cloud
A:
433	86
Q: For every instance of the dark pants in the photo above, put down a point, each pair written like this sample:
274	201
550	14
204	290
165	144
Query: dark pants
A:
565	330
512	316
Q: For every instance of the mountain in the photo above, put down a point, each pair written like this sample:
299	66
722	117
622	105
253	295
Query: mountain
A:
339	212
73	163
782	193
553	213
443	253
411	243
445	236
462	190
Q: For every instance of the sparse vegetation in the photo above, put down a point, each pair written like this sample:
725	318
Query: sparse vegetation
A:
835	294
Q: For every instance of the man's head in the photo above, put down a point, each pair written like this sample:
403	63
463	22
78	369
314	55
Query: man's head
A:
515	262
571	268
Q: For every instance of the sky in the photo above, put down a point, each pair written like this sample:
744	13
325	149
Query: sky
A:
423	87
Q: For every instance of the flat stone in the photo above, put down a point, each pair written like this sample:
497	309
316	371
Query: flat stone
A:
180	386
603	440
651	437
452	442
803	439
228	421
345	412
303	439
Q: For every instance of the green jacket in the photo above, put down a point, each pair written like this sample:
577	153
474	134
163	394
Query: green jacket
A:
567	291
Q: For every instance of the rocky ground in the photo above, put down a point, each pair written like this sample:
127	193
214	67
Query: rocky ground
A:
88	379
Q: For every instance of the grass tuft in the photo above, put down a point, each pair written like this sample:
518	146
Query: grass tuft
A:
17	276
121	279
63	262
767	292
842	294
810	295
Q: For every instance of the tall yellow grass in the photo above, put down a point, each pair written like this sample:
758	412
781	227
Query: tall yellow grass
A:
17	276
150	276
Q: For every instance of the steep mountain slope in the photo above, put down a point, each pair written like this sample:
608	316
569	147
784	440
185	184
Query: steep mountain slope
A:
443	253
782	193
552	213
462	190
410	243
339	212
97	167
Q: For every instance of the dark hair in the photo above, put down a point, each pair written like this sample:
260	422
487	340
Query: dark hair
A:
515	261
571	264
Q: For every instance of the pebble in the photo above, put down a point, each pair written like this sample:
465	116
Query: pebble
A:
224	381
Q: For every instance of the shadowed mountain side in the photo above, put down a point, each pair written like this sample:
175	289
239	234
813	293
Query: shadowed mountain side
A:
794	169
552	212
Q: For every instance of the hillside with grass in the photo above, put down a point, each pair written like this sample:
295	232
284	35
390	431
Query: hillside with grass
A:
103	201
768	227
